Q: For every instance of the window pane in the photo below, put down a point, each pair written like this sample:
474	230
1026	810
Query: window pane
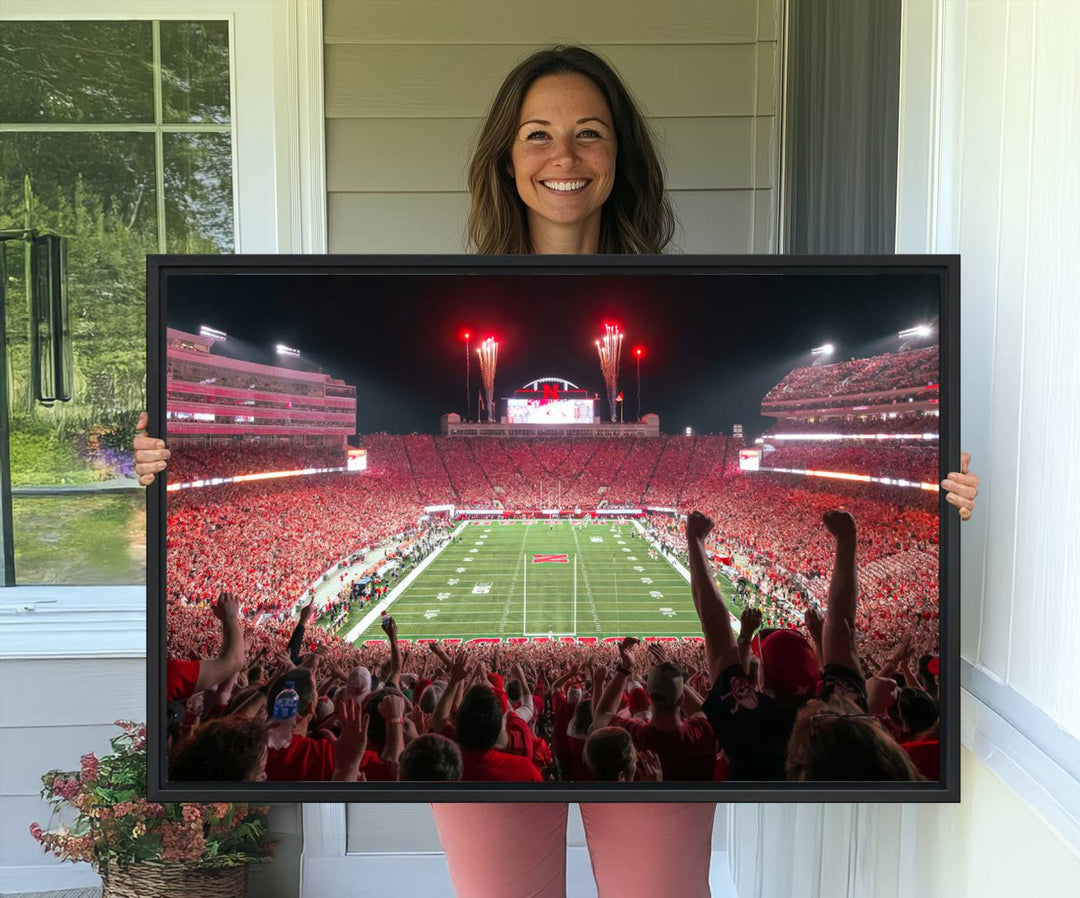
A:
76	72
98	191
81	540
195	72
198	193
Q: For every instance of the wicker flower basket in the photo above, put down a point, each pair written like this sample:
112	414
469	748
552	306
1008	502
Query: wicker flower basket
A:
150	880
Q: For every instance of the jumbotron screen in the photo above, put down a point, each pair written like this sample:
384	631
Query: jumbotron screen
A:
554	411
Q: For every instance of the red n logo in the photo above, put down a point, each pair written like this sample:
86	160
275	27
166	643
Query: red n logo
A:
551	393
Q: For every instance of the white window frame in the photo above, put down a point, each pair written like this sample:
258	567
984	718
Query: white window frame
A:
279	191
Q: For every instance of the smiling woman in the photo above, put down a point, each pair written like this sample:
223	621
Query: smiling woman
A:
565	164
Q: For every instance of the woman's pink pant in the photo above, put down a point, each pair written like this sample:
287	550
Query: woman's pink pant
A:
519	850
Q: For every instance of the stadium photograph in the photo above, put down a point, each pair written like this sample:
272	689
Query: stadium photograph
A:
560	528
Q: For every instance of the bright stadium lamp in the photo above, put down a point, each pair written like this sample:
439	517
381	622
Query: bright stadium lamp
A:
212	332
827	349
920	330
282	349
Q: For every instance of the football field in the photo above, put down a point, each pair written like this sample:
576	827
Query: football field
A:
529	579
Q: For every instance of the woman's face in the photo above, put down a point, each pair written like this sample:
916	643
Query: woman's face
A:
563	154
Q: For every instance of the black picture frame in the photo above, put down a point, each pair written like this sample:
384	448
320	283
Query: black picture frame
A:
946	268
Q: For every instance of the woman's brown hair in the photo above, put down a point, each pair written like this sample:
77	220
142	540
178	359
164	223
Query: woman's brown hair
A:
636	218
838	741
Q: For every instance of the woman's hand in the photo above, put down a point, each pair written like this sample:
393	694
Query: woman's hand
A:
150	454
962	487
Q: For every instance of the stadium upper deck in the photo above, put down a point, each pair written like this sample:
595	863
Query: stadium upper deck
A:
213	396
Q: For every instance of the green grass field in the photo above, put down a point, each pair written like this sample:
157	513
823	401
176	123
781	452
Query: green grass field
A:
488	584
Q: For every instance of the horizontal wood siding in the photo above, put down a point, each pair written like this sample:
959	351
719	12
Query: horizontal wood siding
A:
409	81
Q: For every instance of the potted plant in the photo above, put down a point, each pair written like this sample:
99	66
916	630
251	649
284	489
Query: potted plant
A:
142	848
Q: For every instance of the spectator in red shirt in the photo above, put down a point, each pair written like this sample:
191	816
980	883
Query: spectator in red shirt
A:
481	725
187	678
684	742
611	756
312	760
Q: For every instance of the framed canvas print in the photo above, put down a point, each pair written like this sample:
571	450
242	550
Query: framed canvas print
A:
583	528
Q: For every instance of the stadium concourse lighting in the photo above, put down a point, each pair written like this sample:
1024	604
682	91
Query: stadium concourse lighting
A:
920	330
827	349
212	332
282	349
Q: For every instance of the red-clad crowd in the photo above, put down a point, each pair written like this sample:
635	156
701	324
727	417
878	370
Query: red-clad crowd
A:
880	373
252	700
916	463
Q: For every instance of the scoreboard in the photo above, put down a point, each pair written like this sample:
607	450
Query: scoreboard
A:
356	460
549	411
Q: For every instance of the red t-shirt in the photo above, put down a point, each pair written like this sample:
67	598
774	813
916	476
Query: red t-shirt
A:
497	766
579	770
688	756
180	679
926	756
302	760
519	737
376	769
564	713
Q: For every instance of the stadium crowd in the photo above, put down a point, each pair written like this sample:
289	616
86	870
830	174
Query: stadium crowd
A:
765	704
880	373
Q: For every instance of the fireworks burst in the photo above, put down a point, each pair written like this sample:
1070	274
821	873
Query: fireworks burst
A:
610	350
489	357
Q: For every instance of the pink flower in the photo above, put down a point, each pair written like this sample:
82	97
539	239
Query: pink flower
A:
65	788
89	768
36	832
181	842
192	813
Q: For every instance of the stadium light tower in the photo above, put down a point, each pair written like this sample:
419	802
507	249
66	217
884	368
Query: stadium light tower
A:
282	349
212	332
920	330
468	396
639	351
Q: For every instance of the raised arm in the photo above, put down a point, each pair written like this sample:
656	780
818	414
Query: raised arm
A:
230	659
527	710
815	626
350	746
720	645
838	637
459	664
748	624
606	705
392	710
296	639
394	677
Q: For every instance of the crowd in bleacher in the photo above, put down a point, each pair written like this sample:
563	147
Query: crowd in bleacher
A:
881	373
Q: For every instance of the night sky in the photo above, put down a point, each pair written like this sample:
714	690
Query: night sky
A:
714	344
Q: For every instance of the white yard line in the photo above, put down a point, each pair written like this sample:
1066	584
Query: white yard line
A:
392	596
674	562
513	586
588	588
